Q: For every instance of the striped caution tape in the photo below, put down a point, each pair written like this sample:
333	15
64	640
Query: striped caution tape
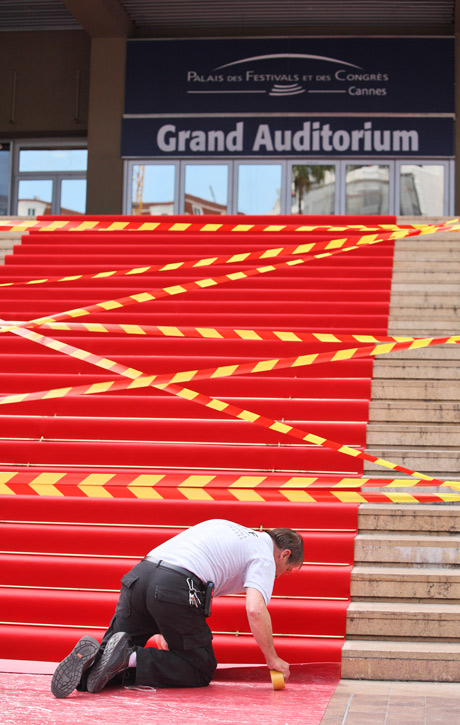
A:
181	288
177	289
239	258
66	225
289	250
95	485
75	479
226	333
138	379
206	487
200	398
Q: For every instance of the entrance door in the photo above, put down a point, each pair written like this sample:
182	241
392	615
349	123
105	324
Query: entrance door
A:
50	181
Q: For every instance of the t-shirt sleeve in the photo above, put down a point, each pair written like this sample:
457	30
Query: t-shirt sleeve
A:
260	575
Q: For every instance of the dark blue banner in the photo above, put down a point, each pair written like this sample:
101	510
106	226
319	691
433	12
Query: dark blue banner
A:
290	75
287	136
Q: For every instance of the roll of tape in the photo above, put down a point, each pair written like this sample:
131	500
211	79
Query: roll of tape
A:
277	679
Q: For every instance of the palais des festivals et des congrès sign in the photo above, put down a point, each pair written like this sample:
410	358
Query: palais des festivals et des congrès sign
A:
289	97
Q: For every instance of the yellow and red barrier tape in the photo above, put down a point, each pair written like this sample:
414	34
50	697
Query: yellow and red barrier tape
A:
289	250
205	400
150	295
77	225
210	487
226	333
139	379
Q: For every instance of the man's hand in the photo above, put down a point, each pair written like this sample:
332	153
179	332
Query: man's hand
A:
281	666
261	628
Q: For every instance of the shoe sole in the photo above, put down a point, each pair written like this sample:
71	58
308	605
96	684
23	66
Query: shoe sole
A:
68	673
101	673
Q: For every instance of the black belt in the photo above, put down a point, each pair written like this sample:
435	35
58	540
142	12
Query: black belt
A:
179	569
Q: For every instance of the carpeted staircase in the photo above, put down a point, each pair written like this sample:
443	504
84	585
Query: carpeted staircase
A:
91	483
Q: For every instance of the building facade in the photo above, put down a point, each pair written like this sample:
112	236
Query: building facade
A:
110	113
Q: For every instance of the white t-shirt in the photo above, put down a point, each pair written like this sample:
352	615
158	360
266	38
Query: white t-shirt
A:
230	555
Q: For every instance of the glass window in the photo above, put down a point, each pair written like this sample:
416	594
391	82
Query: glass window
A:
35	197
367	189
153	189
4	178
73	196
421	190
206	189
313	189
53	160
259	189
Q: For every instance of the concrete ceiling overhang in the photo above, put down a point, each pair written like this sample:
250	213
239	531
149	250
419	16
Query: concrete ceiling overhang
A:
204	18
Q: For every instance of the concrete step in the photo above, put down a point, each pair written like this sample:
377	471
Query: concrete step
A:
418	550
423	299
436	353
420	390
434	313
400	620
401	519
441	411
416	266
435	462
426	276
420	287
411	435
405	584
386	660
401	583
422	327
387	368
439	252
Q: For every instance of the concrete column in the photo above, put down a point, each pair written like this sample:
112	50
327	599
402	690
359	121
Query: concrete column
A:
106	97
457	110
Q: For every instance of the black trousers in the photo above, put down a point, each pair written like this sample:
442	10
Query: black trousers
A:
155	600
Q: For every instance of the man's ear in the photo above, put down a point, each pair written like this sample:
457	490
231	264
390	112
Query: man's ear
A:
286	553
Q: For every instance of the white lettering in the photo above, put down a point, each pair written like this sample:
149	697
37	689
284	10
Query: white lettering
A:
163	143
234	141
281	145
216	141
263	138
301	140
341	140
384	145
407	139
198	141
183	136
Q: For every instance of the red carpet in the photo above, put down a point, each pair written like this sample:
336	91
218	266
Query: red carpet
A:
64	547
237	695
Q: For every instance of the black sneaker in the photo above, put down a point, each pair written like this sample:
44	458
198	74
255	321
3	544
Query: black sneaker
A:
114	660
68	673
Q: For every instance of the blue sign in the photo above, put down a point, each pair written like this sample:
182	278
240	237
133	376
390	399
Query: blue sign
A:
194	137
290	75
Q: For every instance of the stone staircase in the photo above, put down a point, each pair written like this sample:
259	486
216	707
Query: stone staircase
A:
414	416
7	242
404	619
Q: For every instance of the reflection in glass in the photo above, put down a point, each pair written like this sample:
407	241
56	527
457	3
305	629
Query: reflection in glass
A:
34	197
73	196
53	159
422	190
153	189
313	189
367	189
259	188
206	188
4	178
